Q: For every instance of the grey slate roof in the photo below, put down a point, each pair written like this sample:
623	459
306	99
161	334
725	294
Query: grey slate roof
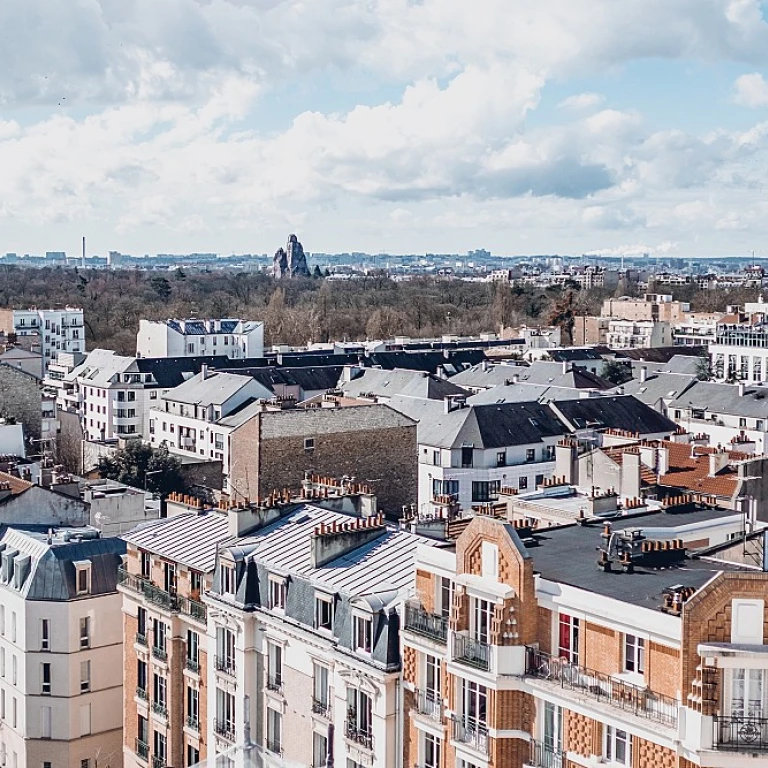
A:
215	389
400	381
516	393
50	569
541	372
657	386
725	398
188	539
619	412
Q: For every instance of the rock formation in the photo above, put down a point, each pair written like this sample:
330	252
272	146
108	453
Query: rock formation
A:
291	260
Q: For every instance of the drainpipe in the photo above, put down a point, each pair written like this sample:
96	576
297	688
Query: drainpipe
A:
398	724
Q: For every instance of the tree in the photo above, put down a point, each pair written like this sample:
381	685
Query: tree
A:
563	316
161	287
616	372
703	367
316	271
142	466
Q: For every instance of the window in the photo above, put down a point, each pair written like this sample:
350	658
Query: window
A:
324	612
445	597
227	579
83	578
549	453
445	487
141	676
435	457
14	670
320	692
13	626
363	633
85	631
319	750
45	678
760	425
15	712
45	634
501	458
309	443
195	583
45	722
522	483
475	704
274	730
568	638
747	693
617	748
193	707
553	728
153	394
277	590
359	712
742	422
169	578
634	654
432	747
466	456
2	662
678	414
85	676
274	666
538	480
485	490
160	748
2	620
530	454
482	612
432	679
225	712
193	650
225	650
142	730
159	690
193	755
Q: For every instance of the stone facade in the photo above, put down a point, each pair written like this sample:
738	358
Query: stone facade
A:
21	401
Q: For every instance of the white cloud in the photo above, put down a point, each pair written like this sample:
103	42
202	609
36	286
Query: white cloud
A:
582	101
751	90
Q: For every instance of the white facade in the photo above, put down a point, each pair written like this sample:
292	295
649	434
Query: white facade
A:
632	334
233	338
740	352
59	330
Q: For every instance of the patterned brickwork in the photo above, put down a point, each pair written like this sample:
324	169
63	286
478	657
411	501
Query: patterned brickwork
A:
409	665
646	754
579	734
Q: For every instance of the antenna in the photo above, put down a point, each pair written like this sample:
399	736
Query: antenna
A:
82	260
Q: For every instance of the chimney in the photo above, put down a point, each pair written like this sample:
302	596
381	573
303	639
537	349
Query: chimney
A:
566	366
329	542
717	461
643	373
742	387
203	372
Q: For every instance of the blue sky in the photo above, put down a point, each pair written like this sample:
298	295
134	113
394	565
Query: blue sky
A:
563	126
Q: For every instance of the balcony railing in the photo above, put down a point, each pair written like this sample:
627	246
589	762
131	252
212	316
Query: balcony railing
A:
142	749
275	747
600	686
193	723
428	624
741	734
358	734
429	703
225	664
161	597
545	756
474	653
160	709
225	729
471	732
320	707
141	638
275	683
141	693
158	762
193	665
160	653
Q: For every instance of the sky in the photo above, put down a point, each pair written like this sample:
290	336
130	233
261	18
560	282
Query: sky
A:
405	126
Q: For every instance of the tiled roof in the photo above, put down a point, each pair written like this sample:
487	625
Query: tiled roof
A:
16	484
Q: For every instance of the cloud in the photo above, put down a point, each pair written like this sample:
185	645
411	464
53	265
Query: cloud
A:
582	101
751	90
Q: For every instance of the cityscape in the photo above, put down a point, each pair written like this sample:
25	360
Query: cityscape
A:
384	384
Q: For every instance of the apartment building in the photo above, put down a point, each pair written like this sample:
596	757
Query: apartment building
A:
657	307
304	617
233	338
595	644
56	330
168	565
634	334
60	649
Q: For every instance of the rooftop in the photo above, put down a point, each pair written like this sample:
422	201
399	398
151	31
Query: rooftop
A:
215	389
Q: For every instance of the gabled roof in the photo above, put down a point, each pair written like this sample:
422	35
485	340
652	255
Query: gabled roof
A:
620	412
725	398
660	354
15	484
215	389
657	386
315	377
386	383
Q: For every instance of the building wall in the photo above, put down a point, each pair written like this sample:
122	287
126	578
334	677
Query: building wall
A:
21	400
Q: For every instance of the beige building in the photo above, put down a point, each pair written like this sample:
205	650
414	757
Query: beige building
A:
653	306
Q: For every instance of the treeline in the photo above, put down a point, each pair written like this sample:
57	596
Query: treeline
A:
305	310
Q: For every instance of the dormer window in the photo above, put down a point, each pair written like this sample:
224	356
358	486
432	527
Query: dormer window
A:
363	633
324	612
83	577
227	579
277	592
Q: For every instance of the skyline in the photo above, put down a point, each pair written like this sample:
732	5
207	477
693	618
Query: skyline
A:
395	126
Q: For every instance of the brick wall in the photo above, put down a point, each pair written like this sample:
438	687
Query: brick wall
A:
511	710
582	735
662	669
601	648
425	589
130	676
646	754
545	629
21	401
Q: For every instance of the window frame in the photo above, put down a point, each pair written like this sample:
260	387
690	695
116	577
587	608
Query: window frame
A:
362	621
323	599
634	654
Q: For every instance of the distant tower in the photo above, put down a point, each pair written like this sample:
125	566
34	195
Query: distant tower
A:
82	260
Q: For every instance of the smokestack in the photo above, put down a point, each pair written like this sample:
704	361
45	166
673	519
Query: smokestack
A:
643	373
742	387
203	372
82	260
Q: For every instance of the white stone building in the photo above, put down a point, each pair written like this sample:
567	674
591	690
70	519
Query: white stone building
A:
60	650
230	337
631	334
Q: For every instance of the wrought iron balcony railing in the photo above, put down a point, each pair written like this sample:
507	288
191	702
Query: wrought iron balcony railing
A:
225	664
225	729
600	686
275	683
418	620
142	749
473	653
471	732
429	703
741	734
545	756
161	597
362	736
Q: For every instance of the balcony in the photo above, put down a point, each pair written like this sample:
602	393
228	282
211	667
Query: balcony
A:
602	687
159	653
320	707
275	683
358	734
544	756
471	732
161	597
193	723
225	729
741	734
274	746
225	664
141	693
473	653
429	703
427	624
141	638
158	762
142	749
159	708
192	665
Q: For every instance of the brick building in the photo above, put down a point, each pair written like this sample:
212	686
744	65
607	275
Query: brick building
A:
273	449
21	400
584	646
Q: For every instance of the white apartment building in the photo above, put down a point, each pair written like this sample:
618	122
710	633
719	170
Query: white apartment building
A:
471	452
233	338
60	649
631	334
740	351
191	419
58	330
